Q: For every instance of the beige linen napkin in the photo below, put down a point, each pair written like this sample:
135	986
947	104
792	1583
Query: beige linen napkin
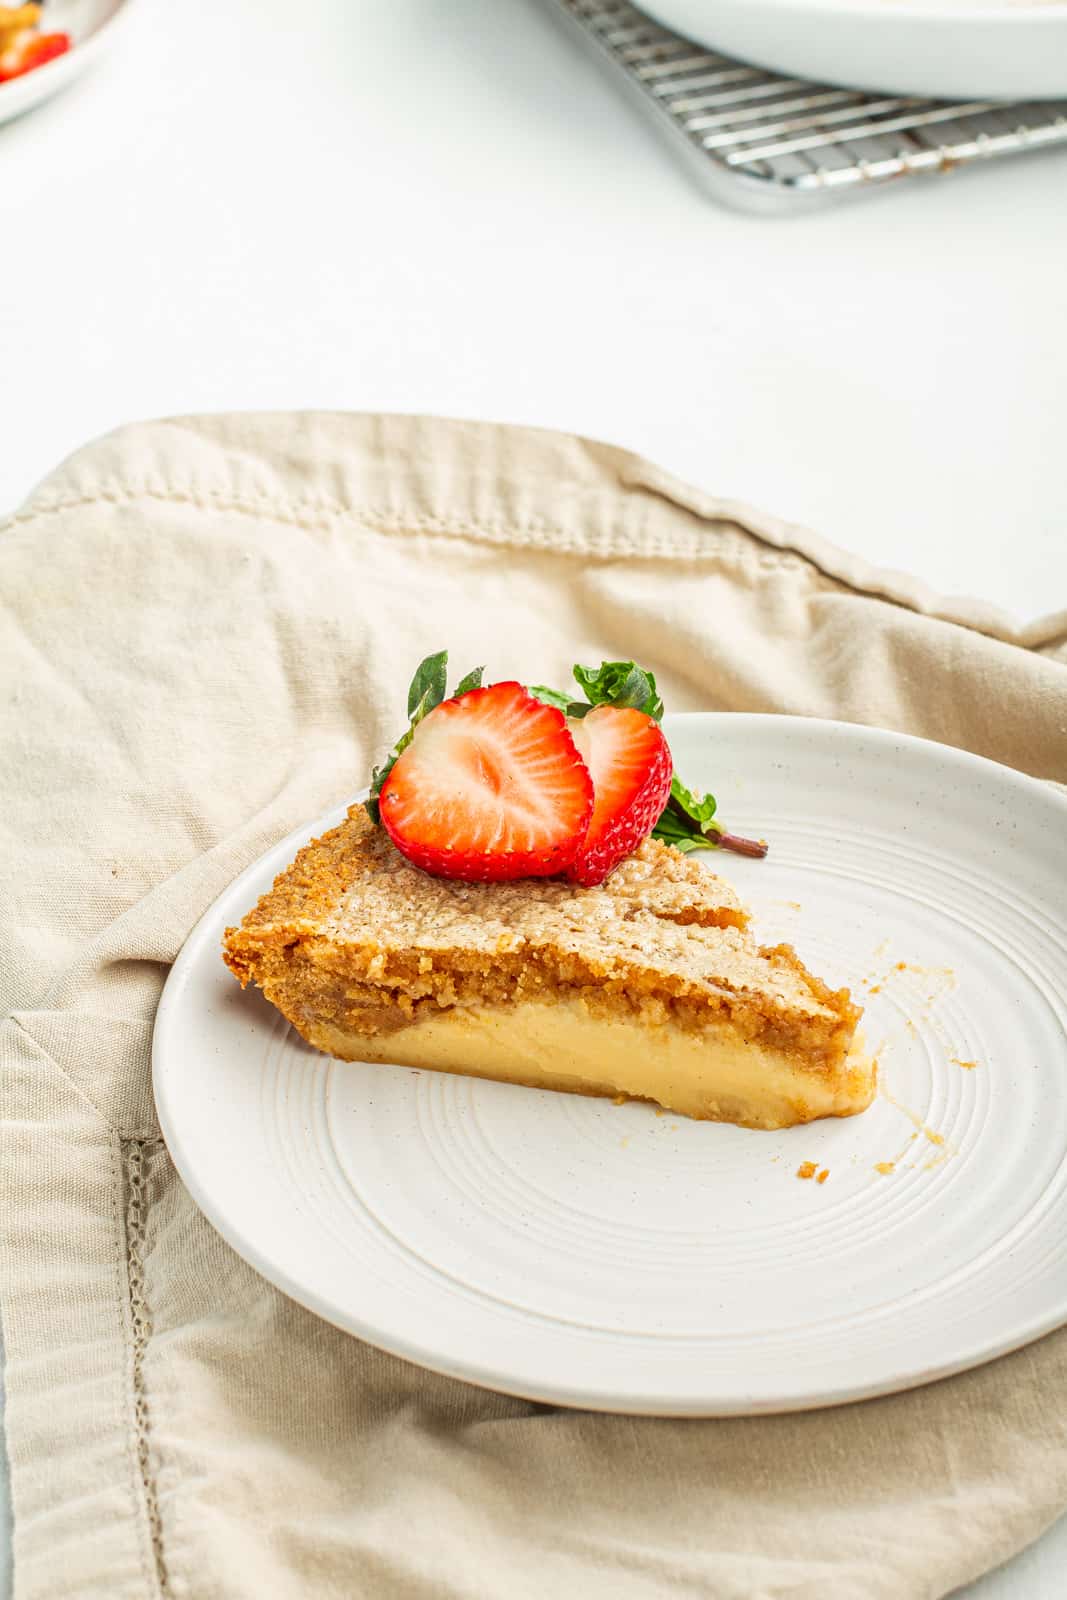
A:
206	627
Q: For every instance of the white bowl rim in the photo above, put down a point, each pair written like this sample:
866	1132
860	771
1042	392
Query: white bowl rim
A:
998	13
59	66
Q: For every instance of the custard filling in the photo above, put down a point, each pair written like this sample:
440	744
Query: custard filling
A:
711	1075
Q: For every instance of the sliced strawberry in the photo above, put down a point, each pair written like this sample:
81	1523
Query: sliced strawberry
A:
37	49
631	767
490	787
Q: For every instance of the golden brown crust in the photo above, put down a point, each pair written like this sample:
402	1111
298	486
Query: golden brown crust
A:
357	854
354	935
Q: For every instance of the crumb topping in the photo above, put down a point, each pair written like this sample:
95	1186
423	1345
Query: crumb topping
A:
364	934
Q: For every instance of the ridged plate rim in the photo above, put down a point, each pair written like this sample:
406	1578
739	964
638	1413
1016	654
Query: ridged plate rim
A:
179	1125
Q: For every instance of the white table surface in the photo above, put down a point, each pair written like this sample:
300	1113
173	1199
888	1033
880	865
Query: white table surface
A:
446	207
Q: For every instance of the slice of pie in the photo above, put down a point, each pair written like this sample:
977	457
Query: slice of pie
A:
649	985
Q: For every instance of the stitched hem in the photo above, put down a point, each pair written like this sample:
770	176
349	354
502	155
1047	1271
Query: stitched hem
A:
723	523
135	1153
533	532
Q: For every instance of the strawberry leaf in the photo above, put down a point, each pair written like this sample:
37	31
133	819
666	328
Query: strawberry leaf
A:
429	685
379	775
473	680
551	697
428	688
688	819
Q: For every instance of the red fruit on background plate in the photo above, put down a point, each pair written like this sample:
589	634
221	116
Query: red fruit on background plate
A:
631	767
38	48
491	787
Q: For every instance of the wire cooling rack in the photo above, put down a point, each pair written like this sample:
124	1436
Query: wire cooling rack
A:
768	142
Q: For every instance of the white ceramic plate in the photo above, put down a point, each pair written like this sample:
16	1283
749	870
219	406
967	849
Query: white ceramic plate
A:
609	1256
92	25
956	49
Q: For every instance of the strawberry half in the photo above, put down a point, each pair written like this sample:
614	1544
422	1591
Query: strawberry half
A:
631	767
490	787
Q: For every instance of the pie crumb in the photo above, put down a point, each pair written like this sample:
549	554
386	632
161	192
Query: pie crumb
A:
807	1169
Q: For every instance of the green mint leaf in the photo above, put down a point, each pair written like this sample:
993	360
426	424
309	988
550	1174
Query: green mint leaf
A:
562	702
620	683
687	819
613	683
473	680
551	697
676	827
666	833
429	685
701	807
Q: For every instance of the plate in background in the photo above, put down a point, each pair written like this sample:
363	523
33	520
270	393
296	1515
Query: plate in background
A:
965	51
92	25
613	1257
